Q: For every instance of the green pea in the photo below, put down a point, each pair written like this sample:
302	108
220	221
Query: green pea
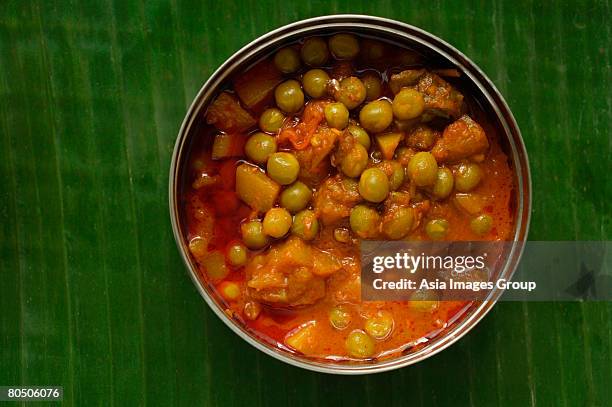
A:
287	60
259	147
376	116
437	229
467	177
339	317
425	301
295	197
373	185
364	221
359	345
277	222
214	265
397	176
283	168
305	225
253	235
399	198
229	290
481	225
237	254
315	83
344	46
443	186
398	223
355	161
372	85
314	52
423	169
336	115
271	120
360	135
351	92
408	104
380	325
289	96
395	172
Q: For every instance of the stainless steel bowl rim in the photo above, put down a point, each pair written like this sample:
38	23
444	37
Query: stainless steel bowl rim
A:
354	22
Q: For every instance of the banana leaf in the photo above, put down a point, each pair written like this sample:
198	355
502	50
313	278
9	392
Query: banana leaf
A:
93	294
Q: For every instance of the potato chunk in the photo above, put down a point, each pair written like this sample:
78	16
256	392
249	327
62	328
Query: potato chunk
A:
388	142
471	203
256	86
228	145
335	199
302	338
255	188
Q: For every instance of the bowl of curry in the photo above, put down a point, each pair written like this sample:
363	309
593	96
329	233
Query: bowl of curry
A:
321	134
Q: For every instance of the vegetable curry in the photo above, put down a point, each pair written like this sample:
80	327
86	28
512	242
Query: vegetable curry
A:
328	141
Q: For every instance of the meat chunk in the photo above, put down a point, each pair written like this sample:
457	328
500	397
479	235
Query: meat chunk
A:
346	141
291	274
314	162
461	139
441	99
422	138
335	199
226	114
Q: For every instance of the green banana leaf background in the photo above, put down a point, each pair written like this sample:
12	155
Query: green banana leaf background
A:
93	294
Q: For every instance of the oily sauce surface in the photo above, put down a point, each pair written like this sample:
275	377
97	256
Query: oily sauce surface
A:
216	209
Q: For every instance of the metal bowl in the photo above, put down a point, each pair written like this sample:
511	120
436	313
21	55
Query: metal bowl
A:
402	34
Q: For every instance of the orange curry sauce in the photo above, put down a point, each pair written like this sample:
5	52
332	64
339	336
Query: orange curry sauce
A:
216	213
